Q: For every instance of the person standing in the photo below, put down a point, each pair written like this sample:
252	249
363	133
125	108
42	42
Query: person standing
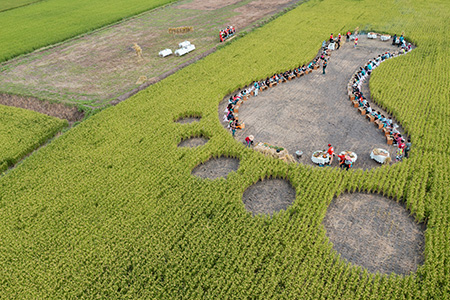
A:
233	127
356	41
348	35
331	38
407	148
330	152
324	65
399	153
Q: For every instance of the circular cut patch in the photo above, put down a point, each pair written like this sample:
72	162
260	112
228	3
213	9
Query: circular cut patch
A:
216	167
376	233
193	142
268	196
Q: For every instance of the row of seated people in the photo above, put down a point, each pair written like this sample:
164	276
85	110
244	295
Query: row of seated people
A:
234	102
231	111
390	129
226	33
277	78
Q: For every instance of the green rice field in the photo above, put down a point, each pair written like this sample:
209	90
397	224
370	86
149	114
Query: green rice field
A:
110	210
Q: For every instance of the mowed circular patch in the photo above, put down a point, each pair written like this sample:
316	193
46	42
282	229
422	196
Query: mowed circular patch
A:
376	233
216	168
193	142
268	196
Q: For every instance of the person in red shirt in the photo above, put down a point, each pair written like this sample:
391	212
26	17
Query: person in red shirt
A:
331	38
330	152
249	140
341	160
348	35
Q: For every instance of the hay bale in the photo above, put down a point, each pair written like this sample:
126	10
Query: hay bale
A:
141	80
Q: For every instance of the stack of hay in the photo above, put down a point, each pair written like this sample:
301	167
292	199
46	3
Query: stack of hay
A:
270	150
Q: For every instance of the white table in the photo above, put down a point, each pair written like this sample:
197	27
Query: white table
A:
184	50
320	160
184	44
165	52
353	156
381	155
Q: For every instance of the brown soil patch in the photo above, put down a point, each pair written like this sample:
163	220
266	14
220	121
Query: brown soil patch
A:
268	196
208	4
58	110
188	120
312	111
216	168
193	142
256	10
376	233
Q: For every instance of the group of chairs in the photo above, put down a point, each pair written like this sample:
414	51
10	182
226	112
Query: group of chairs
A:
385	123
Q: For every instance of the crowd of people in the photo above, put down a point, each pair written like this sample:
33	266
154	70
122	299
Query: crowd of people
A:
226	33
400	42
385	122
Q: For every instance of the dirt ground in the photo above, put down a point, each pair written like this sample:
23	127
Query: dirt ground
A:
268	196
312	111
376	233
216	167
193	142
254	10
102	67
58	110
207	4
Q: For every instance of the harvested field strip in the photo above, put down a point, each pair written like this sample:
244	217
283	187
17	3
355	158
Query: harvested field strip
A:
22	131
54	21
111	210
57	110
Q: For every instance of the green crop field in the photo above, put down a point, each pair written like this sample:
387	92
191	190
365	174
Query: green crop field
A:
22	131
28	28
11	4
110	210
